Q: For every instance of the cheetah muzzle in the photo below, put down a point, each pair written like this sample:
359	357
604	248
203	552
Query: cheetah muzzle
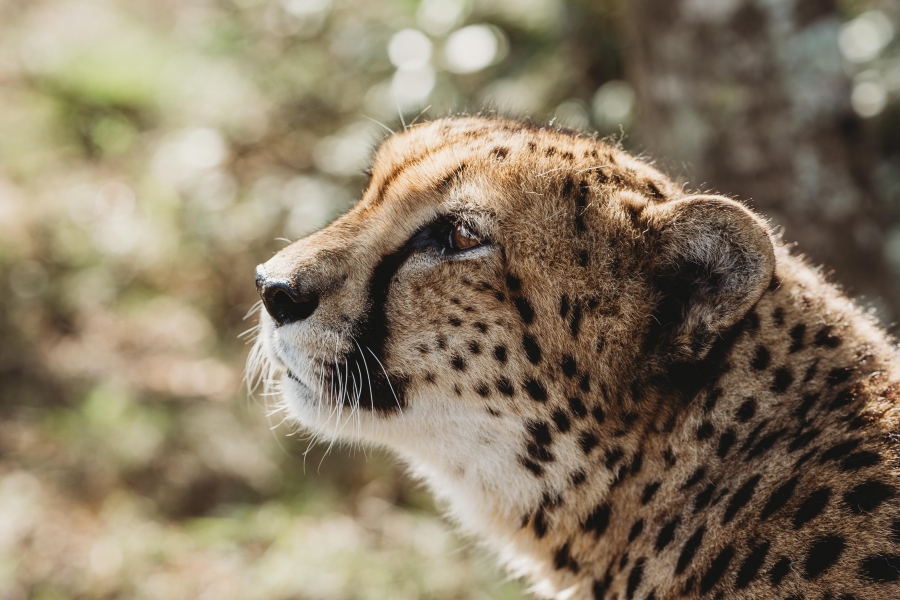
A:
625	390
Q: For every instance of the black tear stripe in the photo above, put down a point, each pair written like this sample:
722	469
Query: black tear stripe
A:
378	392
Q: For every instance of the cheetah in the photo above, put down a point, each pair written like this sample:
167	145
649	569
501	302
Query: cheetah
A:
624	389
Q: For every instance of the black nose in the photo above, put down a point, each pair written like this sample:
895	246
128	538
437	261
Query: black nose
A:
283	301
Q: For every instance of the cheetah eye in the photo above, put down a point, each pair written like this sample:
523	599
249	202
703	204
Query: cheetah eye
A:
463	239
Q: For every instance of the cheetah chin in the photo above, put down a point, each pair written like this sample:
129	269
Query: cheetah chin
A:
625	390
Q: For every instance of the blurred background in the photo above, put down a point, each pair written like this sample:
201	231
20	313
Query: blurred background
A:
152	152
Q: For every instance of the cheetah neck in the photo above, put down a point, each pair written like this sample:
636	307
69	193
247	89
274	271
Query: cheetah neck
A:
617	493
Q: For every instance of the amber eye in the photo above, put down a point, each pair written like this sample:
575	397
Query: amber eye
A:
462	239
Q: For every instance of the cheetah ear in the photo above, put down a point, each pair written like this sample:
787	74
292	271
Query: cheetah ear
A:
714	260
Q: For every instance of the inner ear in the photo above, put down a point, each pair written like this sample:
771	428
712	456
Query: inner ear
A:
713	260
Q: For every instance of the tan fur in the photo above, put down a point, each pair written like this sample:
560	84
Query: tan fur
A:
680	408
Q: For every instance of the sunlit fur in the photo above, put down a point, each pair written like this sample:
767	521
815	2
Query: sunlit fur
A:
668	369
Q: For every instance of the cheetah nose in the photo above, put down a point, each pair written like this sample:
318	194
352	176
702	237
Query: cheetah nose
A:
283	300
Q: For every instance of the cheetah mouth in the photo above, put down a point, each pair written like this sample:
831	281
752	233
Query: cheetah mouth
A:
295	377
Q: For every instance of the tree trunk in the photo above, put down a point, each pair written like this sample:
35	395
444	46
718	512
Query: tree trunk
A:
750	99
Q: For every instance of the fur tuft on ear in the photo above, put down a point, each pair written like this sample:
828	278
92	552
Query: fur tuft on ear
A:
714	259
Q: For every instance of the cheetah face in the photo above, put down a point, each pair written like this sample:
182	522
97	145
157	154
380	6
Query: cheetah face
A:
491	272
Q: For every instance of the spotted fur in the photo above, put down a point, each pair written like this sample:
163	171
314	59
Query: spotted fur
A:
625	390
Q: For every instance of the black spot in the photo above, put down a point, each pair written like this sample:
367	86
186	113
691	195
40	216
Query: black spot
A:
667	534
598	414
474	347
562	420
842	400
550	151
751	439
598	520
782	380
740	498
563	560
649	491
703	498
500	353
839	451
765	444
705	431
513	283
536	390
636	463
779	498
613	456
575	322
525	310
797	334
839	375
746	410
569	367
752	321
880	568
577	407
803	459
670	458
536	469
809	400
540	432
688	586
458	363
781	568
636	530
726	441
823	554
749	569
583	258
541	453
454	321
761	358
540	523
588	441
654	191
689	550
860	460
442	342
895	529
812	507
500	296
480	327
825	337
804	439
599	588
695	477
482	390
505	386
532	350
778	316
578	477
500	152
563	306
866	497
634	579
585	383
717	569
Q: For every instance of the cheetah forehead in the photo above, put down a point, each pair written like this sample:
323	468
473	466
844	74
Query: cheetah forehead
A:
504	153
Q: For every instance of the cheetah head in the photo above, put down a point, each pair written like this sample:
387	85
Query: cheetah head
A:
496	275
